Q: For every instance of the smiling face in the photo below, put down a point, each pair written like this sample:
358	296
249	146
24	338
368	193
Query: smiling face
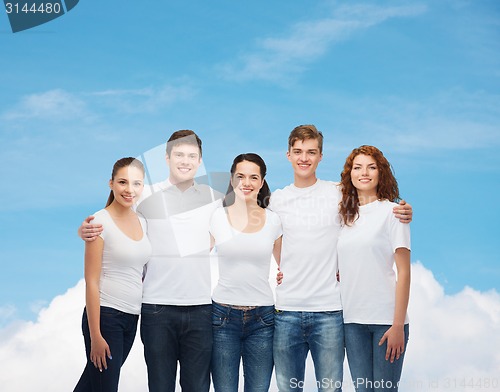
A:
365	175
183	162
305	156
127	185
247	181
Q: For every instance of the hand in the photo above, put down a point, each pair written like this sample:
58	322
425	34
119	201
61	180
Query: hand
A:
99	351
395	337
279	277
403	212
89	232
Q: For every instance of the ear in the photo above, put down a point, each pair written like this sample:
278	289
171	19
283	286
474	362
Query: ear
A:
110	184
288	155
167	159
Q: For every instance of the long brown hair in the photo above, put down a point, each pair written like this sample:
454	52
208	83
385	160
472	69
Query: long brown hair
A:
120	163
387	187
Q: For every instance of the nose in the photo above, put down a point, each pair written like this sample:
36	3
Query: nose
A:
245	181
303	156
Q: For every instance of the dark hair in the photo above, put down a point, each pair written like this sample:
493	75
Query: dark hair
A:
184	136
121	163
305	132
387	187
264	194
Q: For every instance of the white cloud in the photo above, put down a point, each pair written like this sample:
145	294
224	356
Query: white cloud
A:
144	100
275	58
453	339
53	105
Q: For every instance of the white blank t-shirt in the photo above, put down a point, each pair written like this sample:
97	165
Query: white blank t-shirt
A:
123	260
244	260
311	227
366	264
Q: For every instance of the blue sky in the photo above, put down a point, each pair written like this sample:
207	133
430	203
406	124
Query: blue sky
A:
419	80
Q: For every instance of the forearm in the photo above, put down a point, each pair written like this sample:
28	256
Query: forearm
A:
402	286
93	307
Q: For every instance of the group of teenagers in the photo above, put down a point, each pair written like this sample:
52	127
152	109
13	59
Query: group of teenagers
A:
148	253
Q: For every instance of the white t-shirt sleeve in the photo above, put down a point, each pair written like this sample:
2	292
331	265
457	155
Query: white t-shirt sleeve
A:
399	234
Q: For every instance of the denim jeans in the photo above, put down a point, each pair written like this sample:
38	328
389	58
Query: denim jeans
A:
370	371
174	334
118	329
246	335
297	333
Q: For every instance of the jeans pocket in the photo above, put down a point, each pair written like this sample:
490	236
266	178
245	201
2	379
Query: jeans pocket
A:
267	319
150	309
219	319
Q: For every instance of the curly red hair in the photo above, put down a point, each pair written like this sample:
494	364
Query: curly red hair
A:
387	185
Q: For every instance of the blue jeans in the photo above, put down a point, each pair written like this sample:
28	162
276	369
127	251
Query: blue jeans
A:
297	333
370	371
174	334
246	334
118	329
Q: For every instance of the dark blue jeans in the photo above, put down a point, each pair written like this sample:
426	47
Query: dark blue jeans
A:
174	334
370	371
247	335
118	329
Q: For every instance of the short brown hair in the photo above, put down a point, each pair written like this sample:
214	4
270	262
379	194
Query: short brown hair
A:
184	136
305	132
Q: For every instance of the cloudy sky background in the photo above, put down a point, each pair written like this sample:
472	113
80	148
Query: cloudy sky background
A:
420	80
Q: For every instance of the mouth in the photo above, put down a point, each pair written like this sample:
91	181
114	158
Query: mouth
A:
365	180
128	198
246	191
184	169
303	166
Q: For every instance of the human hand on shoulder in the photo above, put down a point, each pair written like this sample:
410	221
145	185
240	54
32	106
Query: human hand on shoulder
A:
403	212
89	232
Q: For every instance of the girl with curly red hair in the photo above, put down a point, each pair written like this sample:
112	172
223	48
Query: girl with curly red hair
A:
374	298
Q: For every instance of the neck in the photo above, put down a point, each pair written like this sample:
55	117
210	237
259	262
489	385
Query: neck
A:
118	210
182	186
301	182
245	205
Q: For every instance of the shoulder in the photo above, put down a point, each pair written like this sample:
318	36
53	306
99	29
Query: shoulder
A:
207	193
273	217
281	194
101	216
217	214
386	205
329	185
